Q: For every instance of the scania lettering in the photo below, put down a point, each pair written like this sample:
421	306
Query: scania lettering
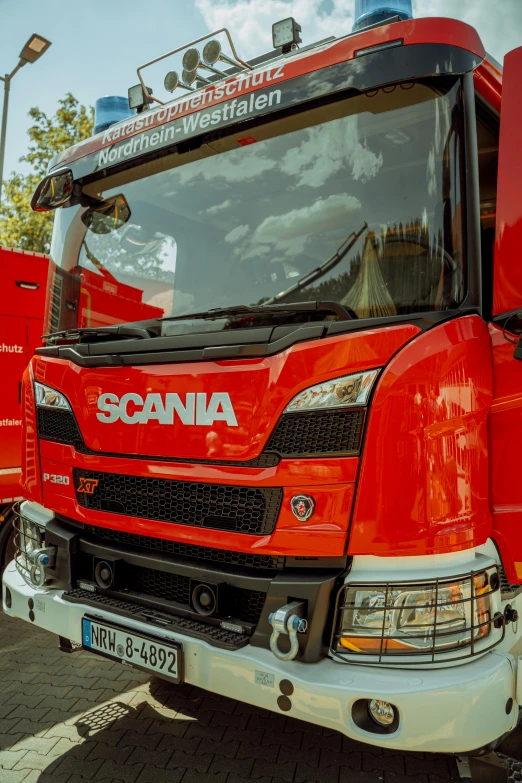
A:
291	455
193	411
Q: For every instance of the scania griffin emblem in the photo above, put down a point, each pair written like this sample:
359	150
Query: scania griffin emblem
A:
303	506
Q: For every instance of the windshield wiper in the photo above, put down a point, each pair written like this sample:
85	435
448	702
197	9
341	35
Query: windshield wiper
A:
315	274
344	313
120	330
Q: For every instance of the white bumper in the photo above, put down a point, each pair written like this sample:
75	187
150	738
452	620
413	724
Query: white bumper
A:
449	710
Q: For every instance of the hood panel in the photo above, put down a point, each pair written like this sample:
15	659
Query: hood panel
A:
229	407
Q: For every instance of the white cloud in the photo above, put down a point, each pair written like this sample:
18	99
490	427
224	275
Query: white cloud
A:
241	165
219	207
288	233
250	21
236	234
327	150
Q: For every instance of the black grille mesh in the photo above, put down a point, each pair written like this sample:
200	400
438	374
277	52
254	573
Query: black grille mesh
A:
192	551
58	425
251	510
318	432
172	587
245	605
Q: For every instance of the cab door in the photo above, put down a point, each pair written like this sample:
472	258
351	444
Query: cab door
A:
506	326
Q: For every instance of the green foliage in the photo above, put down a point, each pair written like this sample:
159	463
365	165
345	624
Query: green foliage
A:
19	226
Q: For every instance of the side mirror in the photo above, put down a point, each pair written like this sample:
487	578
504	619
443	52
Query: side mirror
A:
108	215
54	191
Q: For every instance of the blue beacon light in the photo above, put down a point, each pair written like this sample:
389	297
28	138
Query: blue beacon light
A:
110	109
368	12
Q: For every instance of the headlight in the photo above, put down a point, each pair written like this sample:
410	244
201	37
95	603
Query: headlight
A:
50	398
416	619
339	393
30	536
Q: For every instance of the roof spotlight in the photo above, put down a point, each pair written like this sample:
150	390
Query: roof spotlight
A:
192	61
212	54
189	77
172	82
138	99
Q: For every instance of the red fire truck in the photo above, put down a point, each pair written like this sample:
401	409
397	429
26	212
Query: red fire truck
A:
23	278
292	482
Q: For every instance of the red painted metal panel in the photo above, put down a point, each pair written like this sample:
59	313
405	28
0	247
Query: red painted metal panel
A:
259	390
505	431
507	278
23	278
423	486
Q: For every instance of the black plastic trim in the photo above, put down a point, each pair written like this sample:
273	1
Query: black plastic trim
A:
474	296
212	346
182	625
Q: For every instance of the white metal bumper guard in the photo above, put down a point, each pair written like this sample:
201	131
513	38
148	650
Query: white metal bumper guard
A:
454	710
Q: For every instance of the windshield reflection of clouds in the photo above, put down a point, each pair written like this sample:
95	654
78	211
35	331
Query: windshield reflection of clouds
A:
241	226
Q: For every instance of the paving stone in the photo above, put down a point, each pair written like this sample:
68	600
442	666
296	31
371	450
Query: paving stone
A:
140	740
113	771
393	763
353	776
9	758
21	776
25	726
262	769
159	758
252	736
228	749
24	700
241	767
271	722
281	738
45	777
267	752
305	772
6	708
306	755
181	760
152	774
87	769
328	742
390	777
191	776
225	719
205	732
172	728
331	759
169	742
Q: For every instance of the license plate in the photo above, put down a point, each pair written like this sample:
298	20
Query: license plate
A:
144	652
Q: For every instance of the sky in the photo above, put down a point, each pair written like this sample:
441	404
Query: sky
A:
98	45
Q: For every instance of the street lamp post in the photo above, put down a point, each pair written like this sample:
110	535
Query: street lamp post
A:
32	51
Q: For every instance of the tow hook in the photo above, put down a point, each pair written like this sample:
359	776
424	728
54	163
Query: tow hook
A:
40	559
287	620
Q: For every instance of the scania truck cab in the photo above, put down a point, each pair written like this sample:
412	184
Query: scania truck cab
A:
291	480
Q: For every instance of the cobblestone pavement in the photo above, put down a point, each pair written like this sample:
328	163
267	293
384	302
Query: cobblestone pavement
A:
75	718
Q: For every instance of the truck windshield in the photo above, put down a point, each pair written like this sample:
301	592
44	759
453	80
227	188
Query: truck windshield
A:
267	214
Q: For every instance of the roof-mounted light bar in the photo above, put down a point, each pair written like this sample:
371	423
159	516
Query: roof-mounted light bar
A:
192	60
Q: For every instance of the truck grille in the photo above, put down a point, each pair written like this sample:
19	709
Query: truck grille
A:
58	425
318	432
192	551
245	605
252	510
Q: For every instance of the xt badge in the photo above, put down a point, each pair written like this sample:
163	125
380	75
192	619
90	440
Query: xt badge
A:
87	485
303	507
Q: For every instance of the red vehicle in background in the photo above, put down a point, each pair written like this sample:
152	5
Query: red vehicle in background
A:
24	277
23	283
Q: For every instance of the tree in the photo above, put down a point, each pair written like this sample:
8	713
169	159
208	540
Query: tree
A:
19	226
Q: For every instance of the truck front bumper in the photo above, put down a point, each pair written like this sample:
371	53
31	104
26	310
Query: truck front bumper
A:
456	709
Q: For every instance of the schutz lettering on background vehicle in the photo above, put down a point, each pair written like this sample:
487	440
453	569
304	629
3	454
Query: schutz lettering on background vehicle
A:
131	408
